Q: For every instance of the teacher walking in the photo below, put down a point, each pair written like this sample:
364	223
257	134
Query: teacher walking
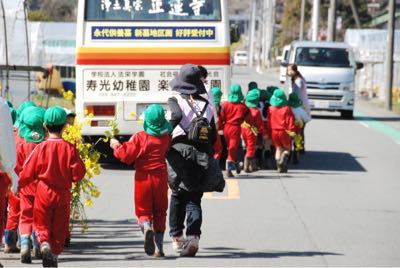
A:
192	170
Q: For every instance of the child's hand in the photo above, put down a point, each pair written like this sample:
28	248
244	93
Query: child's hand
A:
114	143
300	124
291	134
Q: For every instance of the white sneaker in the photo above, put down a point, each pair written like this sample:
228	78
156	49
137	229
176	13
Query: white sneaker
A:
191	246
177	243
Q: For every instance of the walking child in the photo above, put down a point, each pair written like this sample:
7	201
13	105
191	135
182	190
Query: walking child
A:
217	94
11	231
233	113
32	133
147	150
301	118
282	126
251	128
7	159
55	164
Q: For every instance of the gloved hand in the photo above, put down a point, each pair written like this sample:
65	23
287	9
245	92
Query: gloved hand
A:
114	143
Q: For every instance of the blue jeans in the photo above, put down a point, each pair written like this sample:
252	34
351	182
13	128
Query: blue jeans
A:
185	204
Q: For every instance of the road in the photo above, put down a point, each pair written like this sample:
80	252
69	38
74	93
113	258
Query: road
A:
338	207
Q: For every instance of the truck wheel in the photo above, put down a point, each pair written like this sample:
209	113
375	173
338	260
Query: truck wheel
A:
346	114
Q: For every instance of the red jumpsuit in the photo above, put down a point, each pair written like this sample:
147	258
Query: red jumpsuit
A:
55	164
13	199
26	193
281	119
218	143
232	116
4	184
151	177
251	127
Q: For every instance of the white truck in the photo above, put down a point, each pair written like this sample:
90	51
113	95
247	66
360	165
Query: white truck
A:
329	69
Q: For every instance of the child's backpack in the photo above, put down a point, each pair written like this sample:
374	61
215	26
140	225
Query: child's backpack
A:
199	128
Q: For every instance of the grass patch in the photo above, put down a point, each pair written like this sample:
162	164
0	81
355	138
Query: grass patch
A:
53	101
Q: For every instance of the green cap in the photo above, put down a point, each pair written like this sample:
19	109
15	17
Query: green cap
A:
236	95
32	129
155	123
252	98
252	85
217	94
279	98
55	116
294	100
20	110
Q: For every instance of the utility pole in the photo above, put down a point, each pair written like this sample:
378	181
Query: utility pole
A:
389	56
332	21
252	33
303	10
355	14
315	20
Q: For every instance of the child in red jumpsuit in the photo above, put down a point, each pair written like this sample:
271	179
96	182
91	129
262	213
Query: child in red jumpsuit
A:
32	132
11	231
147	150
233	113
281	124
5	182
4	189
217	94
251	128
55	164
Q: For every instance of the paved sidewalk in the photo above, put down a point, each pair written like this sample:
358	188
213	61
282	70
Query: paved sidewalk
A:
367	111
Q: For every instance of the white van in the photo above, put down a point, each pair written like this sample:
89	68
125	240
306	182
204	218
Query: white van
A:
329	69
283	59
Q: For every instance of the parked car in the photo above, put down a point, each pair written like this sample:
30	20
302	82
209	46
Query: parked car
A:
240	57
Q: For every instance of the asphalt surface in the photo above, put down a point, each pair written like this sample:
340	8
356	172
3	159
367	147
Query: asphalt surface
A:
339	207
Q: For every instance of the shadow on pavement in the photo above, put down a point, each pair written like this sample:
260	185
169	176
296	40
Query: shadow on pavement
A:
332	161
104	238
116	166
328	116
375	118
239	253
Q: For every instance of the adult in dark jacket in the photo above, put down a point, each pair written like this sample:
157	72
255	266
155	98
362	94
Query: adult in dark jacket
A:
192	170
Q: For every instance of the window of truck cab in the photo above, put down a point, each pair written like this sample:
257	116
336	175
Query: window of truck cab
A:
153	10
323	57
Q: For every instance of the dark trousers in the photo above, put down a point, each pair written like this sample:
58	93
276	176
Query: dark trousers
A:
185	204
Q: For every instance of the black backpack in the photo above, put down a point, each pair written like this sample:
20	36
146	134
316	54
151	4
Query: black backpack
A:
199	128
